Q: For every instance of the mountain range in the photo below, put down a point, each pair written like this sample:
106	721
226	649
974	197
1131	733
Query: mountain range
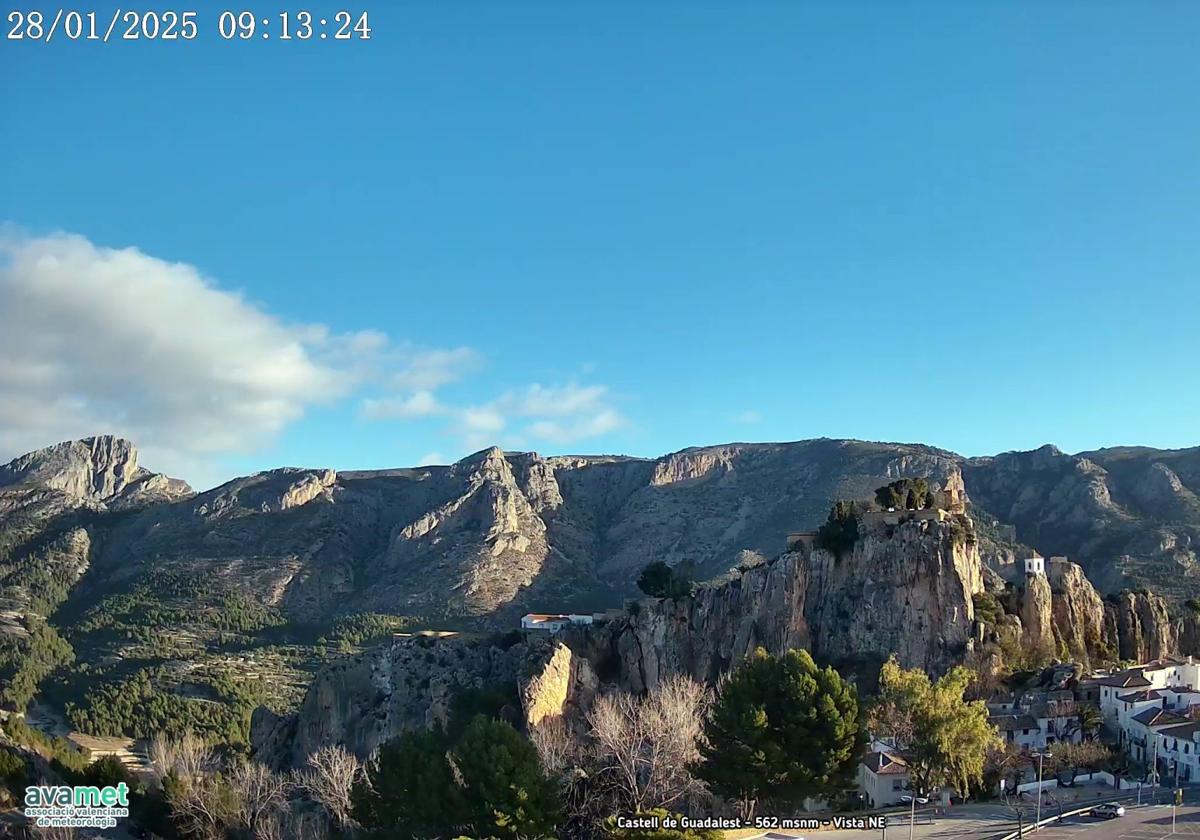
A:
154	583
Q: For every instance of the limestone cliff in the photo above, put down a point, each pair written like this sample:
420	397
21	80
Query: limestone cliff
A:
97	470
1141	625
363	700
905	590
1077	613
1036	612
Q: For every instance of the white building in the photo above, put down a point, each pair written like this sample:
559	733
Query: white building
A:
1020	730
1035	565
551	622
1168	674
1179	752
883	777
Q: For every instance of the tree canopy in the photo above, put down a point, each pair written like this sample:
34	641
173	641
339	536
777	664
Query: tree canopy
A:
905	494
782	729
487	784
840	531
660	580
945	737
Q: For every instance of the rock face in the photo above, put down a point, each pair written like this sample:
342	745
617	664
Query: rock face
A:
705	634
1141	625
97	469
906	590
362	701
1077	612
1036	618
499	534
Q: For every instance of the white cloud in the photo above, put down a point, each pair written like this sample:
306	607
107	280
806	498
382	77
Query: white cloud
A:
557	414
430	459
422	369
749	417
102	340
417	404
580	427
97	340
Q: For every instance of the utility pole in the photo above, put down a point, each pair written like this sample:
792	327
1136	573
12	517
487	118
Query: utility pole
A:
1042	756
1154	777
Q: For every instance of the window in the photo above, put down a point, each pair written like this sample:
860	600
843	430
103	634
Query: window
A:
897	784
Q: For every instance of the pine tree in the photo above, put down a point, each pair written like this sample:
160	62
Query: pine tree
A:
782	729
410	790
506	794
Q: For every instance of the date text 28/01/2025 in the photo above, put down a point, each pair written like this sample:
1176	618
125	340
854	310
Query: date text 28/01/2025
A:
178	25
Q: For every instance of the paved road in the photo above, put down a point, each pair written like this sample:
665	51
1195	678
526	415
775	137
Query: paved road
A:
1146	823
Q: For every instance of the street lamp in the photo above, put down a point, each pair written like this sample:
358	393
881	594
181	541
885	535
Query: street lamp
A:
912	810
1041	757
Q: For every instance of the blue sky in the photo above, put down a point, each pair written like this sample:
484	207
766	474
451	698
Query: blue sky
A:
607	228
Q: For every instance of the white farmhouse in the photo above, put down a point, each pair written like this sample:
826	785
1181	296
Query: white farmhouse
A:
883	777
553	622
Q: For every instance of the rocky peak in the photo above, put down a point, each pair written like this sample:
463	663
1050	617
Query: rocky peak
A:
95	469
692	465
269	492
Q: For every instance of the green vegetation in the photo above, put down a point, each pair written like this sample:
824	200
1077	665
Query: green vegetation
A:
138	707
25	662
360	628
169	598
58	751
840	531
782	729
662	581
489	783
987	608
948	738
12	772
905	494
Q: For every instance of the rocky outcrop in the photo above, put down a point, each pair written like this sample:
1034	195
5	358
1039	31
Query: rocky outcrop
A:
1036	615
905	590
1077	613
1141	626
361	701
1129	515
705	634
268	492
97	469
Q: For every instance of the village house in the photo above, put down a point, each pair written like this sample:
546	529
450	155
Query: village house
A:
1036	719
553	622
1020	730
883	777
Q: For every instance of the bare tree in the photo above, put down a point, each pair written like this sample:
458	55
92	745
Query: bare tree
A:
643	747
205	805
187	757
557	748
328	780
260	793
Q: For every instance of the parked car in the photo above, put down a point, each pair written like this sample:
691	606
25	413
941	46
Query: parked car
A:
1109	810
